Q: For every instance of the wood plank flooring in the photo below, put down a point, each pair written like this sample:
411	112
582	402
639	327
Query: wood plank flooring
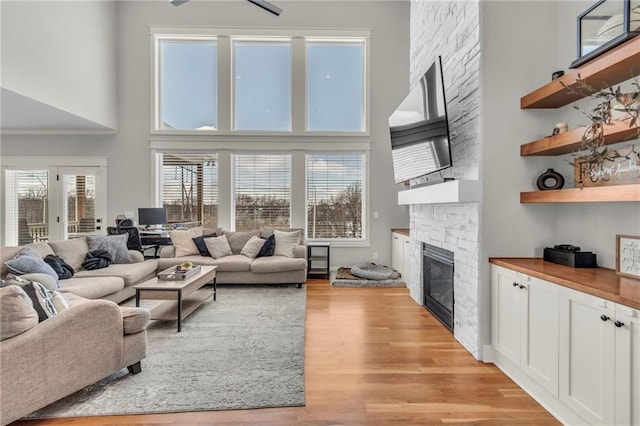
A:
374	357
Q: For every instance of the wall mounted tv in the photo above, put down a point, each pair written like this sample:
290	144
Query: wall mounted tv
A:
420	129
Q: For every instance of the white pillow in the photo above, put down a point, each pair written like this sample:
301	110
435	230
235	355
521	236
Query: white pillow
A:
218	246
182	241
286	243
252	247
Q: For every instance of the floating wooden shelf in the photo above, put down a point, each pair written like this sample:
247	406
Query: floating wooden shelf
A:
568	142
597	194
617	65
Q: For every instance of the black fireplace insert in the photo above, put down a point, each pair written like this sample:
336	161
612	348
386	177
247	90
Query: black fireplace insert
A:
437	282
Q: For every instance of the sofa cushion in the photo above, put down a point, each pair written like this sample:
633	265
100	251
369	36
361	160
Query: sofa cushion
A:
116	245
182	241
41	248
265	231
234	263
252	248
28	262
59	301
72	251
264	265
218	246
91	287
135	320
46	280
7	253
17	314
131	273
286	243
168	262
268	247
237	240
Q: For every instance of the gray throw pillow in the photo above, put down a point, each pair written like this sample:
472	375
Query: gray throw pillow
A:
252	248
116	245
218	246
27	262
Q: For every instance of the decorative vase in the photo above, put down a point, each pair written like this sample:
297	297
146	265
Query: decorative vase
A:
550	180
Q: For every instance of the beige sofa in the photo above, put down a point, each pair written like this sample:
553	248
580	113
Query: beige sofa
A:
76	347
114	282
239	269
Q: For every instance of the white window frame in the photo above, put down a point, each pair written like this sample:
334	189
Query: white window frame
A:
224	37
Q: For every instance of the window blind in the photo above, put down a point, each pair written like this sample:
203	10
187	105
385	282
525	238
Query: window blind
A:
190	188
334	195
27	206
262	190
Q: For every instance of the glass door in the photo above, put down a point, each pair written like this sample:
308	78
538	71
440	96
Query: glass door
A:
83	201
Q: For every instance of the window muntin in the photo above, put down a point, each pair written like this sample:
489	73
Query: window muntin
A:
262	85
188	85
335	82
262	190
189	188
334	196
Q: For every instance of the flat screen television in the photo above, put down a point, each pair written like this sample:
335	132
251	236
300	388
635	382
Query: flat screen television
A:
419	128
152	216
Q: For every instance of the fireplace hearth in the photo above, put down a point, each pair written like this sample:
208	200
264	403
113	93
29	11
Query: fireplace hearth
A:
437	282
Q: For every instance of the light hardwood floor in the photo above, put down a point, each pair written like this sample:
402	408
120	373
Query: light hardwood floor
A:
374	357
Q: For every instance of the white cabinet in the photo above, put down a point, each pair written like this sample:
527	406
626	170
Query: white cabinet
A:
524	324
400	253
627	365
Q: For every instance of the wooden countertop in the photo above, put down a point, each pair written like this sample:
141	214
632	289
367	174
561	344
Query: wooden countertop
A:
401	231
599	282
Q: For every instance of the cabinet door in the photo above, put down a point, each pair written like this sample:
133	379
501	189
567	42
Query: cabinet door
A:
627	366
587	355
396	252
540	345
406	257
506	316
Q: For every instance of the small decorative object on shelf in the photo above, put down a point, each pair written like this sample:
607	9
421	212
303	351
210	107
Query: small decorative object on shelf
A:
556	75
605	25
620	167
628	256
550	180
560	128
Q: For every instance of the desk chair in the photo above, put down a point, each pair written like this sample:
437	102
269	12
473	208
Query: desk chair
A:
133	241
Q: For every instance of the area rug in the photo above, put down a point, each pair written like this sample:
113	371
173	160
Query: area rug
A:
245	350
344	278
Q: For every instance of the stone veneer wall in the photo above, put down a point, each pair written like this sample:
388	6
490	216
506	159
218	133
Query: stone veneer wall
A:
451	30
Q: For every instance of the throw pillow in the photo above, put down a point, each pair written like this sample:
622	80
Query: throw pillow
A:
27	262
201	246
116	245
62	268
252	248
39	295
286	243
46	280
182	241
97	259
218	246
268	247
17	314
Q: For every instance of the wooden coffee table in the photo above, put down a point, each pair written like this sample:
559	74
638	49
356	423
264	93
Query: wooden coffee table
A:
182	296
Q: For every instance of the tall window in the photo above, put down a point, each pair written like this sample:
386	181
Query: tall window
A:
335	86
188	85
27	209
262	187
334	195
262	85
190	188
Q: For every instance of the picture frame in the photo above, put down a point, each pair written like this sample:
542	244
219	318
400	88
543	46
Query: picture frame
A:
628	256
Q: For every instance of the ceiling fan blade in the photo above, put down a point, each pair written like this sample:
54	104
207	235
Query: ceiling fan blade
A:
267	6
178	2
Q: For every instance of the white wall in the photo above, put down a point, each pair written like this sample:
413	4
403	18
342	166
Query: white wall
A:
128	152
62	53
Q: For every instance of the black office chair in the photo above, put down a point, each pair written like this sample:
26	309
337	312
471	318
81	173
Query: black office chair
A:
133	241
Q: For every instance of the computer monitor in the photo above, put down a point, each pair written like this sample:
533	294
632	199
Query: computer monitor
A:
152	216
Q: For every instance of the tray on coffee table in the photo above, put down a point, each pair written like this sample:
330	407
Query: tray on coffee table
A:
175	274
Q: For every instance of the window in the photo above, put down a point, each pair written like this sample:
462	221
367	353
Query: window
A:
262	90
189	188
335	86
334	196
262	190
27	211
188	85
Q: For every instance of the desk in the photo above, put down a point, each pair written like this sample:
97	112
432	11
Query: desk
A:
155	241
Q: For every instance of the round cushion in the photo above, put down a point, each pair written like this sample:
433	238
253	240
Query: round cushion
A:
371	271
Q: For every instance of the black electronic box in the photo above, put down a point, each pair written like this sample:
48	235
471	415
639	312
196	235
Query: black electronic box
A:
568	255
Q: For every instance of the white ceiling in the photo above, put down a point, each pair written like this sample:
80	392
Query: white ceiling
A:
21	114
